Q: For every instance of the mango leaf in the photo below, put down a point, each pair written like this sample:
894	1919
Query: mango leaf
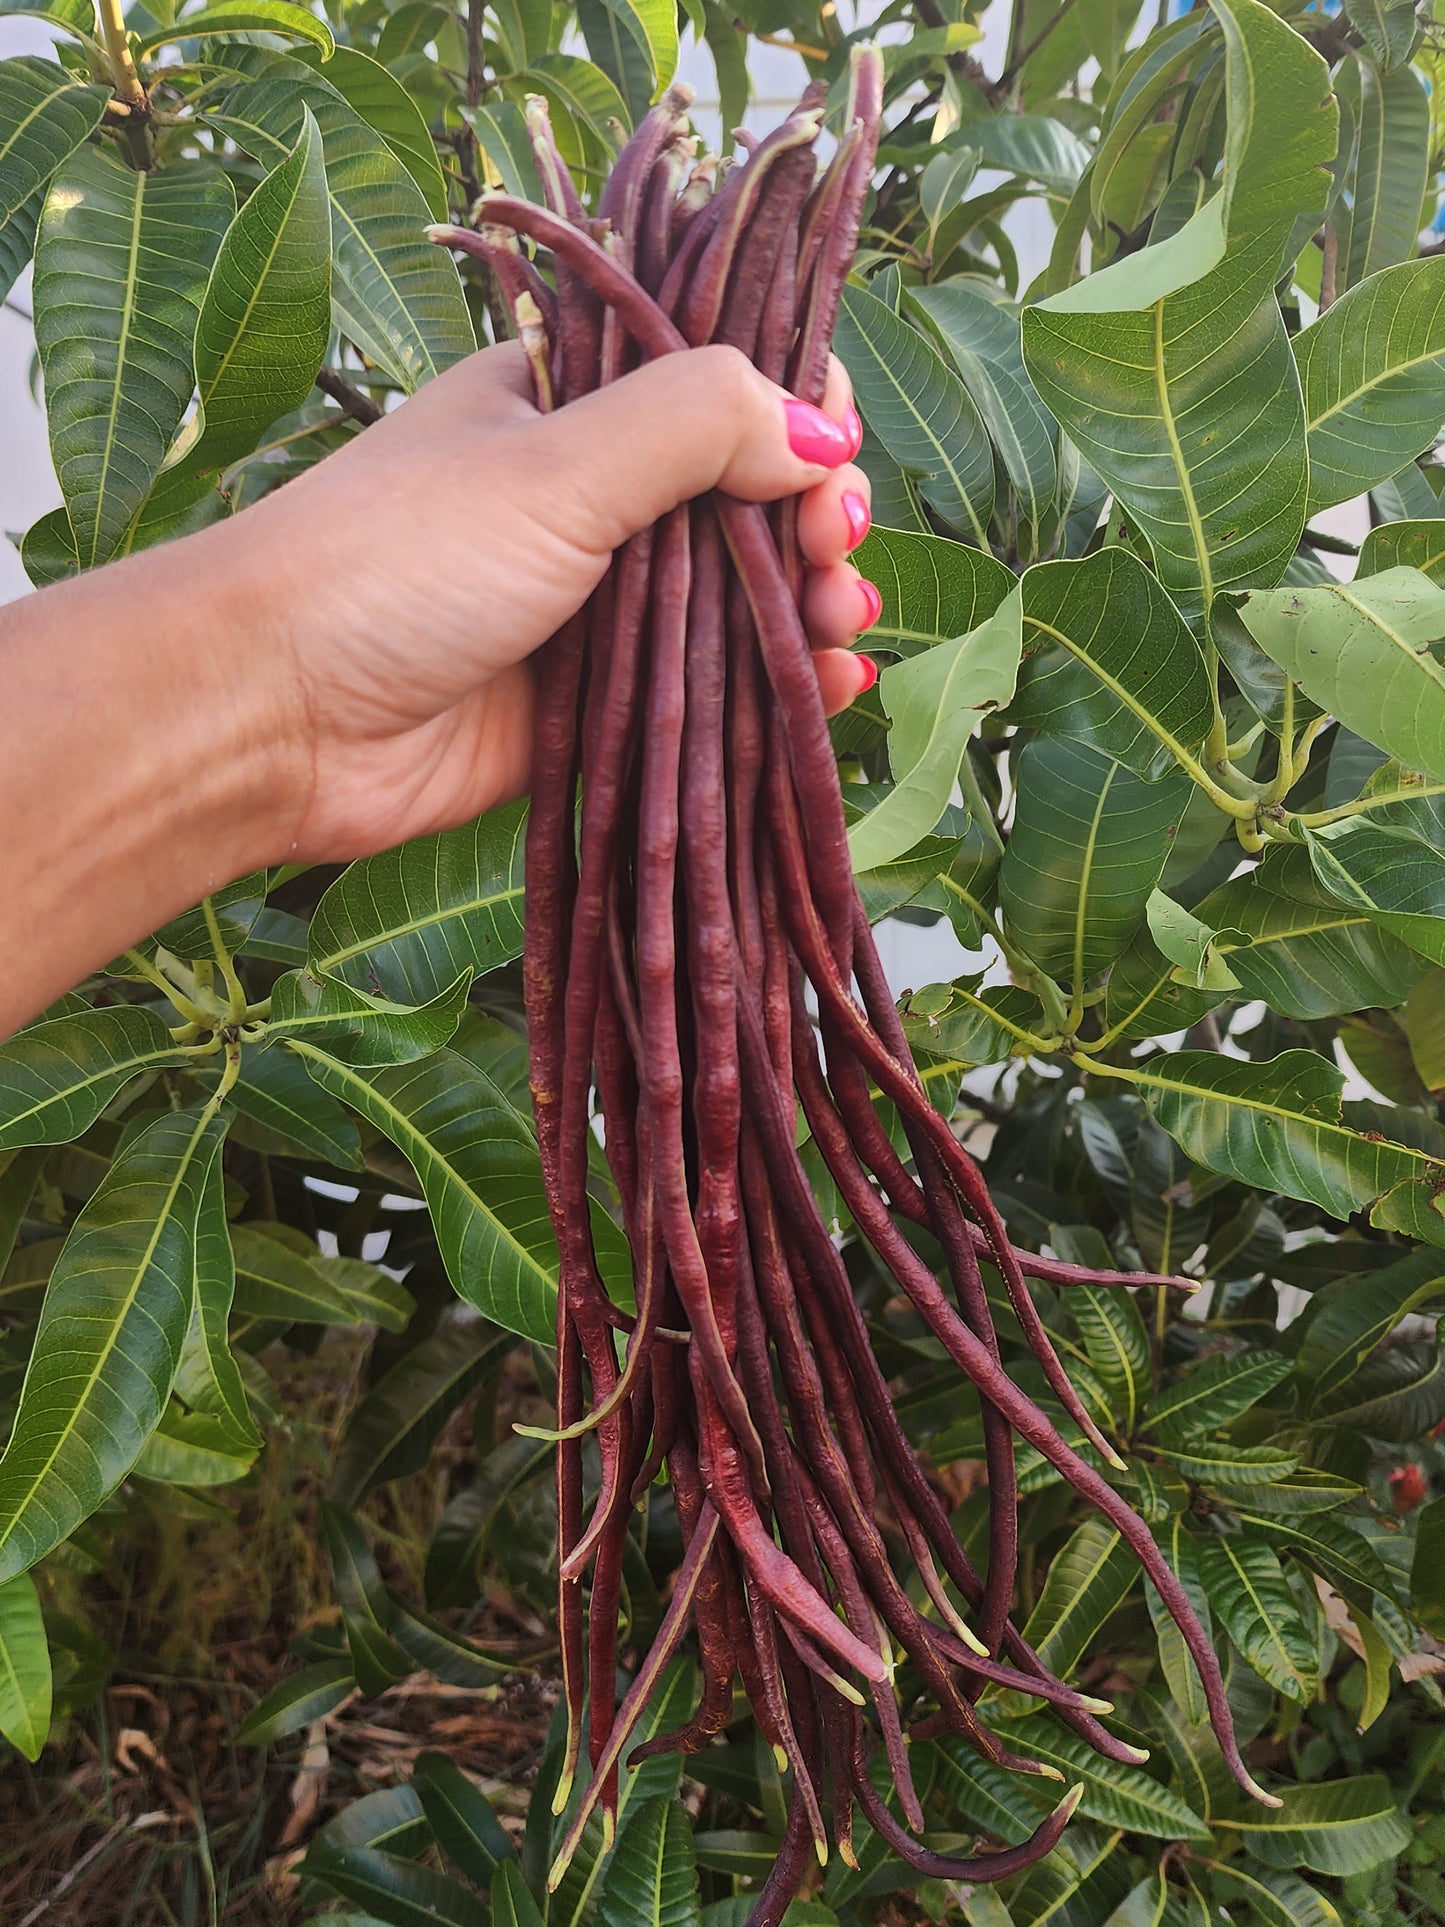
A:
359	1028
467	1830
1345	1324
512	1903
390	1817
1029	144
385	104
589	116
1361	652
1178	1545
1251	1599
1147	995
654	24
218	926
193	1449
208	1379
651	1878
398	1421
501	134
1396	1395
1336	1827
57	1077
45	113
1206	1460
1427	1574
397	297
1087	1579
1088	843
1213	1392
398	1891
1158	367
17	244
296	1117
935	701
613	46
404	924
933	590
1277	1126
1327	1546
373	1294
121	264
1300	1491
477	1165
1383	221
1372	369
1396	878
274	1281
305	1697
1117	1795
1118	1348
919	410
249	16
1280	1899
109	1339
1109	661
1403	545
366	1607
983	338
25	1681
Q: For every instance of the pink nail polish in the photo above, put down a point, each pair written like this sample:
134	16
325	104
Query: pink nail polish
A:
872	601
816	437
853	424
859	519
870	673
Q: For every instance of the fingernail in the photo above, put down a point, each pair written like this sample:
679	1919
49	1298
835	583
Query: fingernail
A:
816	437
870	673
852	423
859	519
873	602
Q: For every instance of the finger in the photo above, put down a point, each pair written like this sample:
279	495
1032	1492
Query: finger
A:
617	460
843	677
838	401
838	605
833	518
491	387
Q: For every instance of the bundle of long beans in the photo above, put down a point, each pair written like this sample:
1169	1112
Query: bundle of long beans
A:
674	931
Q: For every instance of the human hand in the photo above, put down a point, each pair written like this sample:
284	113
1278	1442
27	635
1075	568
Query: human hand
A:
409	578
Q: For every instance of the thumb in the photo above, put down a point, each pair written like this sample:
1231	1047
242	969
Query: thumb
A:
619	459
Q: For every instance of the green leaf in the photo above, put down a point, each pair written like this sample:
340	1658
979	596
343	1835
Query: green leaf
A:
17	244
1179	1547
1373	373
1404	545
359	1028
1242	1465
390	1817
654	24
45	113
121	264
1174	376
1361	652
385	104
614	47
1029	144
501	134
1336	1827
1427	1574
1118	1348
477	1165
983	339
397	296
193	1449
1384	870
1345	1323
393	1429
372	1294
366	1608
1329	1547
935	701
404	924
1389	177
1387	27
24	1668
1088	844
1280	1899
512	1904
219	925
933	590
305	1697
57	1077
465	1528
1117	1795
1087	1580
1213	1392
396	1891
296	1116
1252	1600
581	97
273	1281
467	1830
109	1339
1109	661
1303	1490
446	1656
651	1878
208	1379
248	16
264	322
919	410
1276	1125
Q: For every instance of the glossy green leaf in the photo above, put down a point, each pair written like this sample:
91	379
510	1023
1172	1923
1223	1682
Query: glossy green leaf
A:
373	1294
1029	144
296	1117
1280	1899
406	923
389	1817
109	1339
936	701
1179	1547
219	925
1117	1795
1087	1580
1361	652
581	97
57	1077
1337	1827
1109	661
25	1683
933	590
193	1449
919	410
460	1541
651	1878
1278	1126
1404	545
1345	1324
397	1891
654	24
1206	1460
1088	843
384	103
1389	173
359	1028
469	1833
1372	369
45	113
1427	1573
1251	1599
1213	1392
208	1379
305	1697
17	244
366	1608
1118	1348
1326	1545
1174	376
397	296
246	16
121	264
274	1281
1391	875
613	46
512	1904
502	136
1145	996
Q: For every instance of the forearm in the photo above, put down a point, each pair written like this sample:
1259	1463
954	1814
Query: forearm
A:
140	766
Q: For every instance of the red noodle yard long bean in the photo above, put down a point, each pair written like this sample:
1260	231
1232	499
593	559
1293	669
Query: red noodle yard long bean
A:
683	923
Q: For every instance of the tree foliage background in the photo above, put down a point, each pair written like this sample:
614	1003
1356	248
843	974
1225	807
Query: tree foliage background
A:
1146	737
